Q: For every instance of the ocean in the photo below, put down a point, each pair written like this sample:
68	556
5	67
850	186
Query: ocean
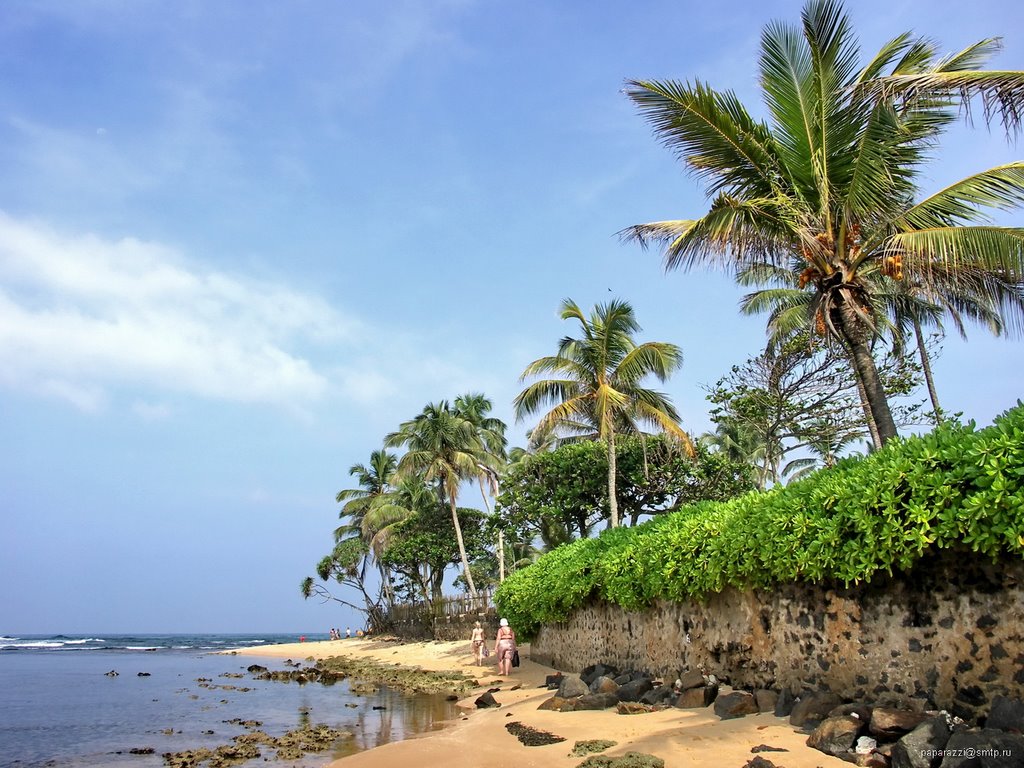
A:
59	707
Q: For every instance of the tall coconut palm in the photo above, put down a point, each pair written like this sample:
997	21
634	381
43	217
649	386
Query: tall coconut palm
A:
475	407
829	184
599	382
445	448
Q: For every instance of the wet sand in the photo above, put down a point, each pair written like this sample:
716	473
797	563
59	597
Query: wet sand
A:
681	737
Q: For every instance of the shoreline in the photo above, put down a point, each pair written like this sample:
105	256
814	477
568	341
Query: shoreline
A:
478	738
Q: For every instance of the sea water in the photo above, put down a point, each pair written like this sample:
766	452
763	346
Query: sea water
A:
60	707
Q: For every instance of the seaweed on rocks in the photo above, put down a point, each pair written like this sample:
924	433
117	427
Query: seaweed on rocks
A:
532	737
628	760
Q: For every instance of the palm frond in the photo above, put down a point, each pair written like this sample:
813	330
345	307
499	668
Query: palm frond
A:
712	133
1001	187
990	248
1001	91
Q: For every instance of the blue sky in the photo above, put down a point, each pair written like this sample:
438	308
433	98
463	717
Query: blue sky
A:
241	241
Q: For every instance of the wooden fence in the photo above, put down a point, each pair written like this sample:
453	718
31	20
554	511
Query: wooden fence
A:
446	608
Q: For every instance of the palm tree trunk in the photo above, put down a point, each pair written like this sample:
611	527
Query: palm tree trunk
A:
501	534
613	503
869	419
462	545
856	335
926	366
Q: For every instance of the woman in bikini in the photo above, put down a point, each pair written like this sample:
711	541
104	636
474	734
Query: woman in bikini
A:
478	643
505	647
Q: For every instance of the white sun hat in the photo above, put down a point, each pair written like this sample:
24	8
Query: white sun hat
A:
504	622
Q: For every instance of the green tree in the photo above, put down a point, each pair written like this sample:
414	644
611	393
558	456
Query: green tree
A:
444	448
561	495
798	394
828	188
599	382
422	547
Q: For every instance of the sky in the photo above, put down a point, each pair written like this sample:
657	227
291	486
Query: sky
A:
242	241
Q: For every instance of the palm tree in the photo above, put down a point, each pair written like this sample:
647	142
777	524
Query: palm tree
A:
443	447
474	407
359	504
374	481
828	187
599	382
741	444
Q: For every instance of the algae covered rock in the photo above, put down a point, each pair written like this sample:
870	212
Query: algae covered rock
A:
628	760
591	746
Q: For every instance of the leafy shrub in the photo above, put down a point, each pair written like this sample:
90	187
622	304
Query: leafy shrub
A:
955	487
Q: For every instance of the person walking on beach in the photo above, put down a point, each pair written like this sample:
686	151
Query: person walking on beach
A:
478	643
505	647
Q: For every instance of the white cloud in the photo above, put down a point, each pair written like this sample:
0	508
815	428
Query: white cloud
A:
82	314
151	411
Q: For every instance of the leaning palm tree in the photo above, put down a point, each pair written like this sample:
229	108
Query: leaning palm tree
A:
358	506
599	382
829	186
444	448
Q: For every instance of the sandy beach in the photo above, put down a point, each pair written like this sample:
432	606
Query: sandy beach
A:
681	737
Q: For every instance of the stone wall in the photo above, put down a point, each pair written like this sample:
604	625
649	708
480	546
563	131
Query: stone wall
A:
948	634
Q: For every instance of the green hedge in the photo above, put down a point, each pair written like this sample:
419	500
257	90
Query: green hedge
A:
955	487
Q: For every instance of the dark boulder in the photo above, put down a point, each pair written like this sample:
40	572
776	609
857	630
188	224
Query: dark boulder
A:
984	749
552	682
921	747
785	703
486	700
572	687
595	701
695	698
634	690
813	707
692	679
1006	715
765	699
891	724
604	685
659	695
836	735
594	671
735	704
